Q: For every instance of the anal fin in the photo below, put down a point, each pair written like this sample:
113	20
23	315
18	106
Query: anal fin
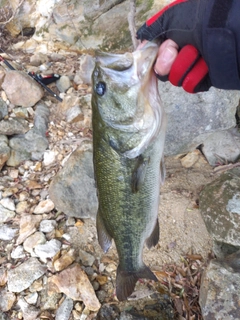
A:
154	237
104	239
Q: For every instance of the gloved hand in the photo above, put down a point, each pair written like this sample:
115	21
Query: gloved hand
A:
208	35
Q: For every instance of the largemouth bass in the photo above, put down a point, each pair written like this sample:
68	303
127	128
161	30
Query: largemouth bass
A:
128	138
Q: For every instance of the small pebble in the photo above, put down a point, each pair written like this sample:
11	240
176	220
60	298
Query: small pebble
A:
44	206
8	204
47	225
32	298
18	253
101	295
95	285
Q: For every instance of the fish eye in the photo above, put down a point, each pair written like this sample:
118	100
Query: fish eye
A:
100	88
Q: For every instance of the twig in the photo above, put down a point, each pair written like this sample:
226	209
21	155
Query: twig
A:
226	167
13	14
131	22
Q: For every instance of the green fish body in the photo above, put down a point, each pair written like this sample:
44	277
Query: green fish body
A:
128	139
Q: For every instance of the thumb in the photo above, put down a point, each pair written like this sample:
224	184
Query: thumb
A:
168	52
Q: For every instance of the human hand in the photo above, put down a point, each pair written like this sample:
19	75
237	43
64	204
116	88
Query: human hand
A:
198	30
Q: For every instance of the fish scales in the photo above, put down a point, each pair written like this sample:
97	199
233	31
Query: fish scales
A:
128	139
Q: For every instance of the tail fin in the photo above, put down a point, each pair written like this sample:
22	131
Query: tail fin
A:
126	281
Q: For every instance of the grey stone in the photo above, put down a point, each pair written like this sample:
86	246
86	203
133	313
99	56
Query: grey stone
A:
86	258
16	157
193	118
8	203
32	298
21	277
47	225
101	295
13	126
33	144
21	112
220	208
221	145
5	151
232	261
7	232
29	146
21	89
74	114
49	302
29	312
48	249
37	59
65	309
63	83
7	299
86	66
33	240
219	293
108	311
3	316
3	139
5	214
18	253
73	189
41	118
3	109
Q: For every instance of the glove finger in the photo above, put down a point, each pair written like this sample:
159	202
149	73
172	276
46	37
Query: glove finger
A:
188	70
195	77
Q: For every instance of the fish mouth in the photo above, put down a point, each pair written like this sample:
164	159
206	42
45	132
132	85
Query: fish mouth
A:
145	56
114	61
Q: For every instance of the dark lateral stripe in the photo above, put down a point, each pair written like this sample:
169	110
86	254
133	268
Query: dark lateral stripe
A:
219	13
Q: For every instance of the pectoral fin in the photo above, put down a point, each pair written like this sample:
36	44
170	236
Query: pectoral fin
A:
139	173
104	239
154	237
162	172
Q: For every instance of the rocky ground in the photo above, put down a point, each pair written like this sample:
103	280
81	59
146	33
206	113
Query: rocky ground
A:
51	266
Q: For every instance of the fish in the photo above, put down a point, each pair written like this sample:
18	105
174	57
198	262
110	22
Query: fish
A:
128	126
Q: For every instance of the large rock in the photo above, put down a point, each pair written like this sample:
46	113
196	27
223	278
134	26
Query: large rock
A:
73	189
13	126
33	144
21	277
222	146
220	208
192	118
21	89
80	24
219	293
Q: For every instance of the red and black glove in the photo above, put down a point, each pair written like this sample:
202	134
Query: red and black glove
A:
208	35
